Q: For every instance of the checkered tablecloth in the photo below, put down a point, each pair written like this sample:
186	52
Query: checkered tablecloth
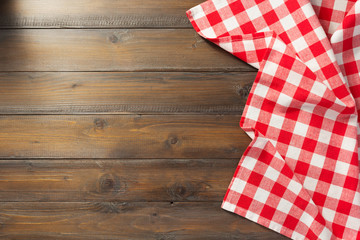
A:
299	176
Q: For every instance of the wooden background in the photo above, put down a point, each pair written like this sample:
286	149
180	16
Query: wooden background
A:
117	121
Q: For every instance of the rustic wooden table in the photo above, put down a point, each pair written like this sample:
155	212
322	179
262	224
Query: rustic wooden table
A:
117	122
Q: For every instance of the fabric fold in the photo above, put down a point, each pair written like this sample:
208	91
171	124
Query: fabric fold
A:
299	176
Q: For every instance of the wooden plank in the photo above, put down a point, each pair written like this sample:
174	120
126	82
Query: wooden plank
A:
123	220
95	13
121	136
115	180
123	92
112	50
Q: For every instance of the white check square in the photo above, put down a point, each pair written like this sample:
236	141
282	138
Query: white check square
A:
284	206
261	195
299	44
317	160
276	121
284	100
318	89
353	223
227	46
348	144
295	187
238	185
197	12
270	68
253	12
231	23
334	191
328	214
228	206
341	167
209	32
253	113
339	5
220	4
271	173
301	128
324	136
293	152
310	183
275	3
287	22
294	78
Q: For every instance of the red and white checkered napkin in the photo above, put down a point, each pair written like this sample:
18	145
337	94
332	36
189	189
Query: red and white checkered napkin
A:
299	176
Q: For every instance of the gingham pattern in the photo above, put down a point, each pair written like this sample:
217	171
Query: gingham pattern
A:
346	45
331	13
299	176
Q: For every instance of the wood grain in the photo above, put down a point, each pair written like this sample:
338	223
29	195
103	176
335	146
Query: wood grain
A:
115	180
124	92
95	13
112	50
123	220
117	121
121	136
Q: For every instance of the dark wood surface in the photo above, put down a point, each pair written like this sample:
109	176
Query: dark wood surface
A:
74	180
95	13
121	136
124	92
112	50
117	121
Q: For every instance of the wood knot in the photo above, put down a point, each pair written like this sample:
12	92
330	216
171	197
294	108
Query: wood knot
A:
100	123
110	183
29	167
111	207
75	85
233	149
113	39
186	190
245	90
180	190
165	236
172	140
